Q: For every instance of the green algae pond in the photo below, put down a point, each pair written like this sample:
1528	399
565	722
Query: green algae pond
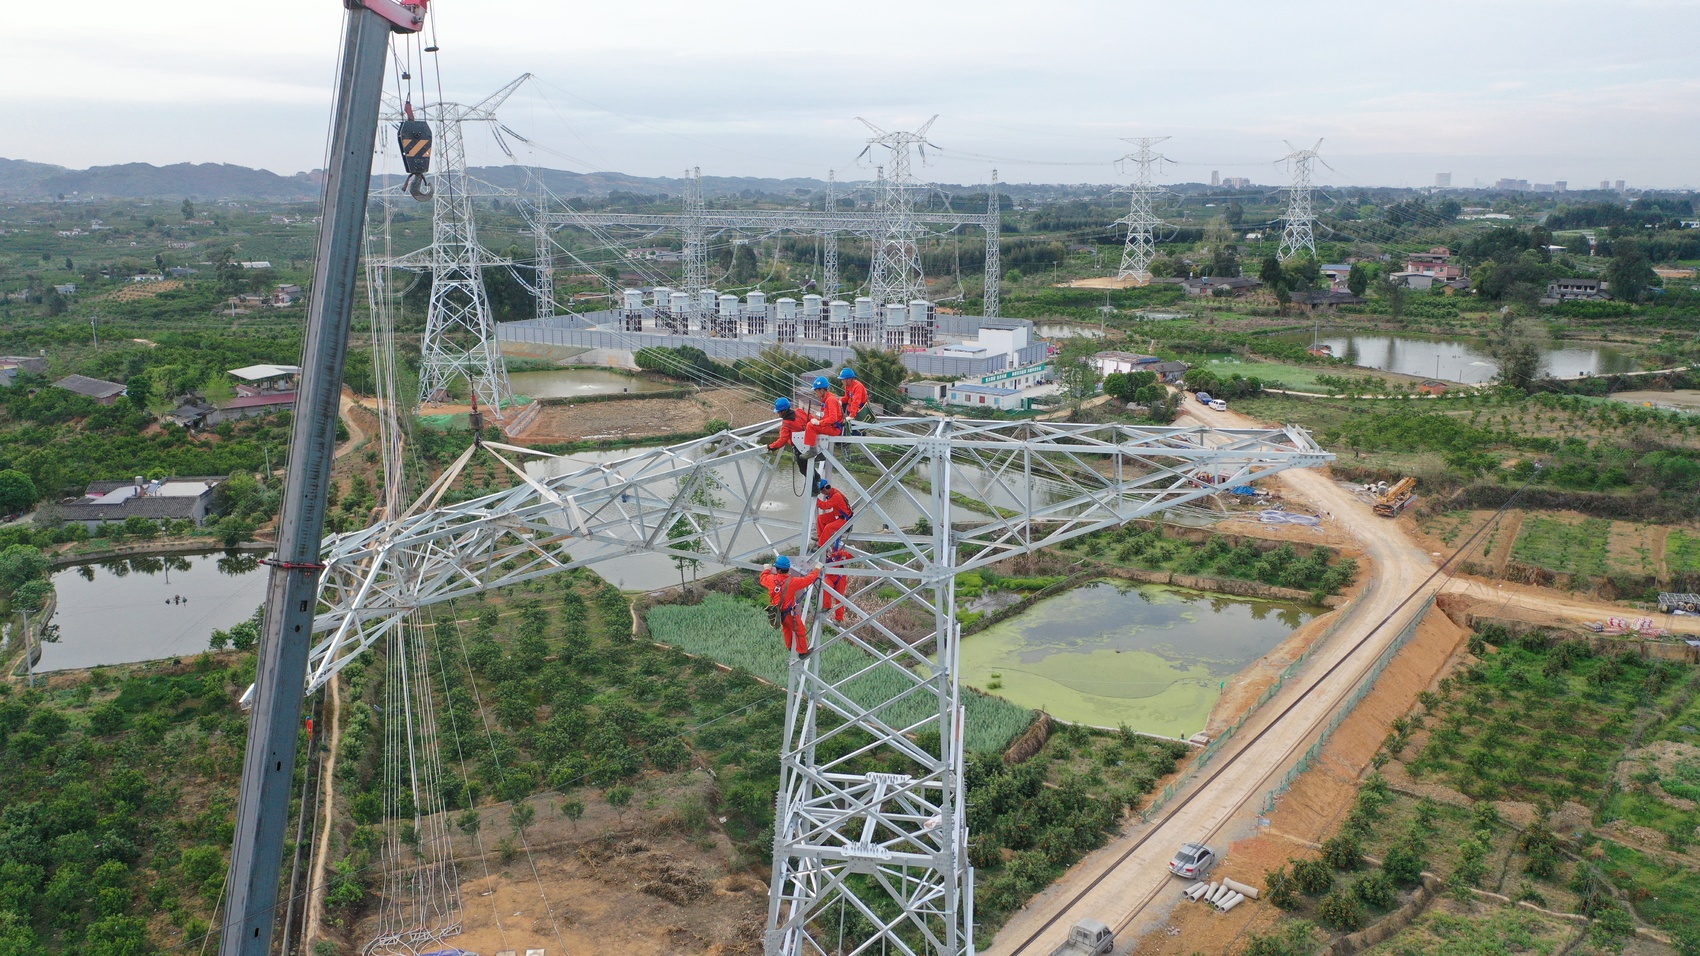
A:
1109	653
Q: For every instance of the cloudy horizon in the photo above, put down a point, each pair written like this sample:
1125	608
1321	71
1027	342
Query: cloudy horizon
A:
1555	91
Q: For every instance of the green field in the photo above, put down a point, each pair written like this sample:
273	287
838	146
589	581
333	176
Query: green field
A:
1682	552
1563	547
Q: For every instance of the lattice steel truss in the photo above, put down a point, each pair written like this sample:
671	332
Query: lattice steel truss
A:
1298	234
1141	220
896	274
933	497
460	332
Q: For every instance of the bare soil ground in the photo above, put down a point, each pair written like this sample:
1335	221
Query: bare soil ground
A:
639	882
641	418
1636	548
1102	282
143	290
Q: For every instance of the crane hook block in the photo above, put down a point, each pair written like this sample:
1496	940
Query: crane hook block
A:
414	137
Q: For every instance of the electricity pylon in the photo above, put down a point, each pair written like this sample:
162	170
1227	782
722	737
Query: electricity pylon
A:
1141	219
896	275
890	845
460	332
1298	235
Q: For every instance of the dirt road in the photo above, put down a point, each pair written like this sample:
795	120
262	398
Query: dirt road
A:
1126	883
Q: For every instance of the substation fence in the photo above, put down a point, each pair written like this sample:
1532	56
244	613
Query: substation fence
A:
1215	746
1364	687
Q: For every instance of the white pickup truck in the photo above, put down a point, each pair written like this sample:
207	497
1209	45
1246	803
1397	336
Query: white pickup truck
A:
1088	938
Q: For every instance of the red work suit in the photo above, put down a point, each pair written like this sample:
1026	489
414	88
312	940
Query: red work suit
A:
832	513
830	422
784	591
835	583
855	398
787	428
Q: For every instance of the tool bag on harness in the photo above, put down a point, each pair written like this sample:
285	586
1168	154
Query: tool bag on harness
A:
776	616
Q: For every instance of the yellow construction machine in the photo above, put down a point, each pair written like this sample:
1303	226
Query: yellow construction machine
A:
1389	503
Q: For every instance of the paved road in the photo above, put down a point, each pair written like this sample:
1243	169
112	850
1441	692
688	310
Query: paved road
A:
1120	882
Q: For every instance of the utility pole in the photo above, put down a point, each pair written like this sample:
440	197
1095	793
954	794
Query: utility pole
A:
1297	235
262	813
1141	219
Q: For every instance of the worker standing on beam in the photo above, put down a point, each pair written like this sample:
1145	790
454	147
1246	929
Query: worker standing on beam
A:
784	593
855	396
829	421
832	513
835	581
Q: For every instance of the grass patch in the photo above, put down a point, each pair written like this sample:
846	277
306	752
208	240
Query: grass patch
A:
1499	932
1563	547
1682	552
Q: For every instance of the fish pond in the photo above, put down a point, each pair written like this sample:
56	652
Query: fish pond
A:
1109	653
149	608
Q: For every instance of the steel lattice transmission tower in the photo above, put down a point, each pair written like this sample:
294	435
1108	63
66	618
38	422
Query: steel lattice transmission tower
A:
891	846
1298	235
460	332
994	264
696	234
896	275
829	254
1141	219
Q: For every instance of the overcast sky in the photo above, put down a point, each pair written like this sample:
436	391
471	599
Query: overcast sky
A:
1041	89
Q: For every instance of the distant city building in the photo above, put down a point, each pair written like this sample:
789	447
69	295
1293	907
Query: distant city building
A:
169	499
1521	185
1605	184
1620	185
1215	177
1442	180
1562	186
1236	182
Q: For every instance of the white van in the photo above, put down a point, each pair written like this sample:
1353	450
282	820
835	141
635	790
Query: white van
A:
1217	405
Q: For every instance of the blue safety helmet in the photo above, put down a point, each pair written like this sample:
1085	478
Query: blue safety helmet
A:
821	384
821	484
782	563
848	372
782	404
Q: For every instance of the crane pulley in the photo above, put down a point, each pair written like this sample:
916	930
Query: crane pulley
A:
414	137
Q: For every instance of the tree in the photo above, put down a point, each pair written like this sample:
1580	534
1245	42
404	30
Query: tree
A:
682	536
20	564
521	817
1393	292
573	809
1629	273
17	491
469	821
1075	370
188	209
1115	386
743	263
1357	280
883	373
1271	274
1517	351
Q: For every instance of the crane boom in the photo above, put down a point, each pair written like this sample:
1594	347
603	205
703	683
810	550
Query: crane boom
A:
256	855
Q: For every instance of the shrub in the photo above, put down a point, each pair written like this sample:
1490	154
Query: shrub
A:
1340	910
1294	940
1342	852
1281	889
1314	877
1373	890
1403	864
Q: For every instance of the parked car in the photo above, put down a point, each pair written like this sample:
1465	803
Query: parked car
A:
1192	861
1089	937
1203	398
1217	405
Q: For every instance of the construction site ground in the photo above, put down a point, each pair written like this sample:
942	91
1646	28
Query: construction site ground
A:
634	883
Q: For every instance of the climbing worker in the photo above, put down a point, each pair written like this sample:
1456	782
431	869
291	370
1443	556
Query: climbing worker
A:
830	420
784	592
855	395
836	558
832	513
791	428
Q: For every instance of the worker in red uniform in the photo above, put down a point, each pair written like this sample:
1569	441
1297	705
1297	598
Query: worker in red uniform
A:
785	592
829	421
855	396
791	429
835	582
832	513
